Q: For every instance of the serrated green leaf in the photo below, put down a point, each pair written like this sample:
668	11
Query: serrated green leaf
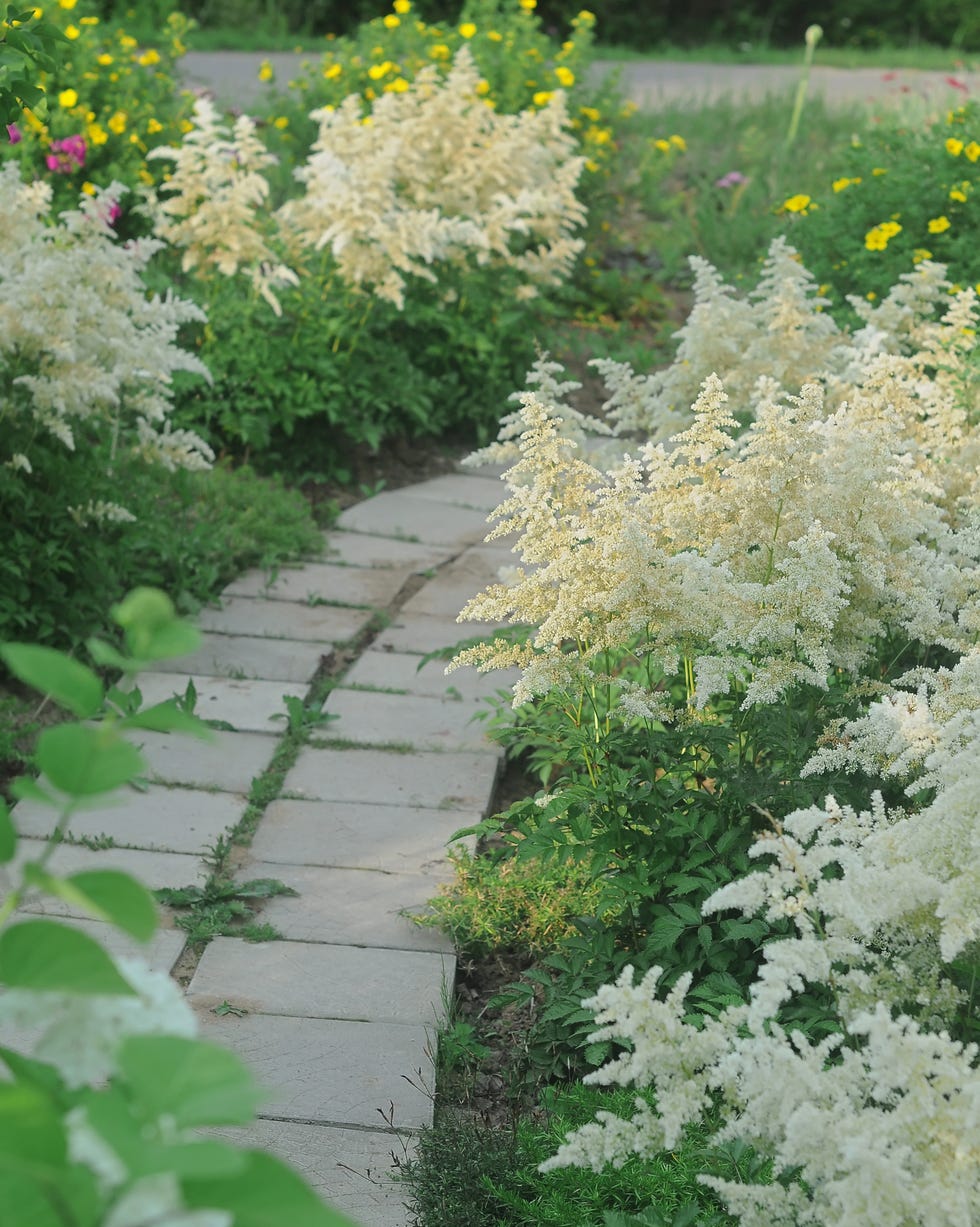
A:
665	931
26	788
120	899
266	1194
167	717
46	956
205	1084
31	1132
72	685
82	761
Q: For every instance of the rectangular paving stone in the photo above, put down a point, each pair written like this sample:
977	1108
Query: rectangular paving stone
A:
321	581
159	819
462	490
379	670
317	981
458	781
337	1072
399	514
353	1170
247	656
154	869
160	953
444	597
241	615
228	761
424	633
370	718
351	836
350	907
363	550
248	705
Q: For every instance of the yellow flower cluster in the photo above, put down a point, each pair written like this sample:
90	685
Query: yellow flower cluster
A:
877	237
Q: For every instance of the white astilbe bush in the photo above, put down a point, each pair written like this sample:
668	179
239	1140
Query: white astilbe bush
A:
434	175
769	558
214	201
84	350
880	1123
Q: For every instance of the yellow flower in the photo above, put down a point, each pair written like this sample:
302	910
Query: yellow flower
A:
528	5
266	72
879	170
679	142
370	94
89	188
145	176
392	22
186	126
135	140
601	136
67	99
797	204
105	59
541	98
96	134
585	18
590	113
67	5
494	36
402	7
72	32
88	21
958	195
938	224
839	185
920	254
662	145
400	85
565	76
439	51
149	58
153	126
281	122
117	123
972	151
467	29
877	238
127	41
871	296
954	146
482	87
332	71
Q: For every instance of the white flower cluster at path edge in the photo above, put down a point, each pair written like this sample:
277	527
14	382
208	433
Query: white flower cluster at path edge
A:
820	498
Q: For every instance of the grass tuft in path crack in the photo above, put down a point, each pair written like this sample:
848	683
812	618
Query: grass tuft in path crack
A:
223	908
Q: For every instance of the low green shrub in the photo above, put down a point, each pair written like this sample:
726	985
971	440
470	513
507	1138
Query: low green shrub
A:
901	193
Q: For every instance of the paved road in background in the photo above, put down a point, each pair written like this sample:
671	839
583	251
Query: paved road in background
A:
233	77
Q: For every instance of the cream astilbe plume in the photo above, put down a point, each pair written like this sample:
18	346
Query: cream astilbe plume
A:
83	347
769	557
213	202
880	1123
550	392
433	175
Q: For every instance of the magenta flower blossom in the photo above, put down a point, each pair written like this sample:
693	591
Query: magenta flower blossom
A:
14	134
67	155
732	179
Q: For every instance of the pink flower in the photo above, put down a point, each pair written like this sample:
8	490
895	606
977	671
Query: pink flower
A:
108	210
14	134
66	155
957	84
732	179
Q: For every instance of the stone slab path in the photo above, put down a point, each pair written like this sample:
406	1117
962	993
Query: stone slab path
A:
339	1017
